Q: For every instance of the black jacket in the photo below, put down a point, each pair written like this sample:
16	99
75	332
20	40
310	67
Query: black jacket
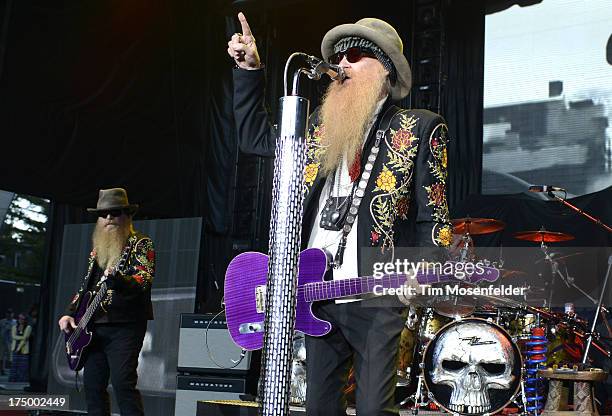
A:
405	201
129	295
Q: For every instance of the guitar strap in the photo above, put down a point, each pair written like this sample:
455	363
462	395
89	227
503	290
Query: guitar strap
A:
121	265
364	178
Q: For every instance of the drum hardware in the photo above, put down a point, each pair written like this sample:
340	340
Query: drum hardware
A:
563	257
543	236
298	371
536	356
591	336
597	313
607	228
467	227
418	397
467	242
413	318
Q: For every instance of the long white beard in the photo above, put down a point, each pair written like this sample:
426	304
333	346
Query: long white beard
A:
108	244
346	113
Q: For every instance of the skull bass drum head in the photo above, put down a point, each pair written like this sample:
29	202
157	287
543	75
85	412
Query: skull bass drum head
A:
472	367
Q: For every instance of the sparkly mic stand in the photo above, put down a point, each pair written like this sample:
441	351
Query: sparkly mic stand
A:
285	236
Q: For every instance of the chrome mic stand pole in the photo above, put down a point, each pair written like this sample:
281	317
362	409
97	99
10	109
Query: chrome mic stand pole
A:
285	239
285	242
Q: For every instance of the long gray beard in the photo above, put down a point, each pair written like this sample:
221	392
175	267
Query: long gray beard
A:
108	245
346	114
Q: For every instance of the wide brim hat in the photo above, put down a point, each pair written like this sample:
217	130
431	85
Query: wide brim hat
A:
114	198
385	37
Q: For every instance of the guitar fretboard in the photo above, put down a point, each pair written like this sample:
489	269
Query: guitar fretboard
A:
354	286
350	287
93	306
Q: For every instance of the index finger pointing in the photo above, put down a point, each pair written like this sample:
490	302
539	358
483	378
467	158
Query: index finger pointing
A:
246	29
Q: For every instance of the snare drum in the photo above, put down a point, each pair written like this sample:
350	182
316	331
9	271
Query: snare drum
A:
472	367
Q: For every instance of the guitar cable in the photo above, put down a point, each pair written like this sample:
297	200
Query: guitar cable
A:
209	352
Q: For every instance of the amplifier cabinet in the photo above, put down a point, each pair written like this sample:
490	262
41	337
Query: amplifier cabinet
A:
221	356
191	389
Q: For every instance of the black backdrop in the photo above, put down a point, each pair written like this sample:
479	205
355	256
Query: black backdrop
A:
138	94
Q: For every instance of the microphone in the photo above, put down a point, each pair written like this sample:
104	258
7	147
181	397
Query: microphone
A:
320	67
545	188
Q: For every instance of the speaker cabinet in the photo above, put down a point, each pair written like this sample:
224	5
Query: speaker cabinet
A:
205	346
191	389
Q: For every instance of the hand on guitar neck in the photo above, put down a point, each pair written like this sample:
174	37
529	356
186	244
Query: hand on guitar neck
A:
411	288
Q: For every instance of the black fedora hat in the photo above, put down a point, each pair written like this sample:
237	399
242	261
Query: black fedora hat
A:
114	198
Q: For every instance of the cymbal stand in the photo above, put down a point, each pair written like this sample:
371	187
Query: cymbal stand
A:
554	270
599	310
465	250
418	397
567	279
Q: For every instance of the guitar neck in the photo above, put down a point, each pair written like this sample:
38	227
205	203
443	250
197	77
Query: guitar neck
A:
93	306
355	286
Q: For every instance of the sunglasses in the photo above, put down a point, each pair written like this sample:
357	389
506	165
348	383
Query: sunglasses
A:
352	55
113	213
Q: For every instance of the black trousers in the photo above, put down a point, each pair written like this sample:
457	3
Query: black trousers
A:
368	337
114	352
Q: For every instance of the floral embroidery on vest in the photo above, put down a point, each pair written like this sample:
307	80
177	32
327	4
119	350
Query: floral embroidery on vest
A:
436	192
390	198
314	152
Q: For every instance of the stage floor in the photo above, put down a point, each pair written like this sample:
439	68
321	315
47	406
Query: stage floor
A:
243	408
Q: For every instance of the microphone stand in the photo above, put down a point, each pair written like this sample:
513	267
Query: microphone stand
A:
285	239
581	212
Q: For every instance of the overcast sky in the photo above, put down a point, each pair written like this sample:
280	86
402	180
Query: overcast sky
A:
565	40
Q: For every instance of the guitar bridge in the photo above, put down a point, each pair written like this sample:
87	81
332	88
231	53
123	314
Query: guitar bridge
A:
260	298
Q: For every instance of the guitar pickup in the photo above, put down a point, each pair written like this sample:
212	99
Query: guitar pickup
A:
260	298
251	327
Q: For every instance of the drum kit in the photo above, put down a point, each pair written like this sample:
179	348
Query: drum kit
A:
479	355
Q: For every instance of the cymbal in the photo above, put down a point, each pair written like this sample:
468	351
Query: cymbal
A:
505	273
543	236
477	226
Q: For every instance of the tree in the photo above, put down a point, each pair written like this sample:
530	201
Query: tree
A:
22	239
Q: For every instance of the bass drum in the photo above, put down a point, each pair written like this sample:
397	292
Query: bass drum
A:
472	367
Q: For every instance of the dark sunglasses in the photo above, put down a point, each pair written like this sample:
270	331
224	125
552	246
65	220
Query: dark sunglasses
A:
113	213
352	55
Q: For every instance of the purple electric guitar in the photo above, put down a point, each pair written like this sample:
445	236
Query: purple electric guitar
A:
245	293
78	339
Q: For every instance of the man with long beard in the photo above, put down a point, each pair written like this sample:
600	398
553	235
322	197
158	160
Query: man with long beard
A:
125	260
361	191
